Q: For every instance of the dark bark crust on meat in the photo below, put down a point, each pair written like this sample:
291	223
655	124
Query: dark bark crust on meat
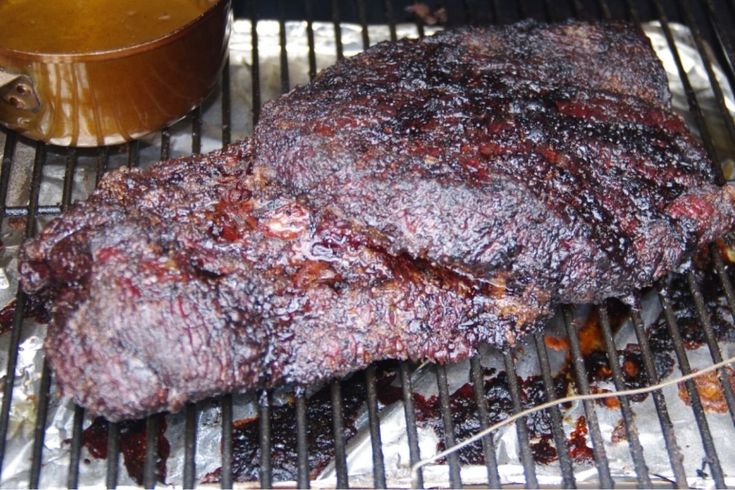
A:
192	279
544	153
413	202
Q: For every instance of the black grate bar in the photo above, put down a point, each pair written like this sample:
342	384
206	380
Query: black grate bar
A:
75	448
631	430
689	91
455	478
557	423
709	335
420	28
699	416
409	413
604	9
491	7
337	29
488	444
113	454
497	11
133	148
226	104
580	377
255	63
302	446
550	11
578	9
524	447
7	165
196	130
39	427
264	423
226	473
362	14
390	18
340	450
310	38
724	43
190	445
152	424
522	9
468	17
103	162
71	165
285	82
39	161
165	143
374	423
667	427
45	383
632	12
724	279
685	6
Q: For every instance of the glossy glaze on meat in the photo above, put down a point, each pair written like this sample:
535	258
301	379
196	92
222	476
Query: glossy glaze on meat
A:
543	156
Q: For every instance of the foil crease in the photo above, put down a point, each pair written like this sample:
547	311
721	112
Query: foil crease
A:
55	465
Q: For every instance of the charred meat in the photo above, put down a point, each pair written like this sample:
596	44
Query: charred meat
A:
543	155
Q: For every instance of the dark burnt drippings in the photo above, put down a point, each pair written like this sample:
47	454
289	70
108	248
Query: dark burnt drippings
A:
34	307
6	317
132	446
684	309
319	431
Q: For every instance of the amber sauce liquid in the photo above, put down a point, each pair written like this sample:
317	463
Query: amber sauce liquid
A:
82	26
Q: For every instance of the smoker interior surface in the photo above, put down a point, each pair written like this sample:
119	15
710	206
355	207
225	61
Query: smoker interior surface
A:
696	309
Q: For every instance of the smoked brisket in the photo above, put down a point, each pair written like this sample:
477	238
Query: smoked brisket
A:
413	202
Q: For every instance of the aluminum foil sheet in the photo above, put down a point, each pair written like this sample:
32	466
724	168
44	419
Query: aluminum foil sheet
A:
92	468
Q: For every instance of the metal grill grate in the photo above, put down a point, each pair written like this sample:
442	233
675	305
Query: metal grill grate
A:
709	21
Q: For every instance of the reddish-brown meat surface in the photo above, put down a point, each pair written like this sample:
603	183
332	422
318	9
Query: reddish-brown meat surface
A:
532	154
191	279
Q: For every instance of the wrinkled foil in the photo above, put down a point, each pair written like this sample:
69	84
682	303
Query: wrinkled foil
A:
16	467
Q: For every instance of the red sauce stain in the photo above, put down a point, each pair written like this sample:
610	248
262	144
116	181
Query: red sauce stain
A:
619	434
543	451
558	344
132	446
34	308
710	390
6	317
577	443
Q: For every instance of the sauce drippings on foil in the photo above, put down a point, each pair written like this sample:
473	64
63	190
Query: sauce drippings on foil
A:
132	446
82	26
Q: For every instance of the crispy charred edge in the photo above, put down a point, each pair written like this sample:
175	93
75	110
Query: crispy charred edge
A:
112	194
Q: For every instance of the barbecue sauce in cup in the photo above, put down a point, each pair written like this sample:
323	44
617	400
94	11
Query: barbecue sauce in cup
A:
103	72
84	26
